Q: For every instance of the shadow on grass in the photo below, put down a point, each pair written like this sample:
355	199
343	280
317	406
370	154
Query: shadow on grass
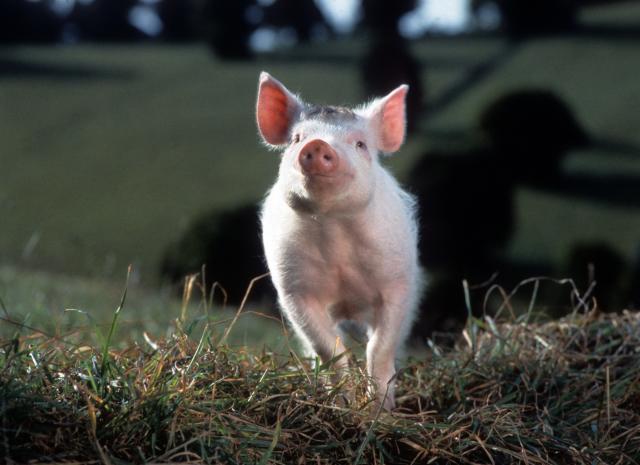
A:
11	67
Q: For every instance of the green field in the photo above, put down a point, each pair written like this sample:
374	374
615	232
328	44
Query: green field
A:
81	311
108	152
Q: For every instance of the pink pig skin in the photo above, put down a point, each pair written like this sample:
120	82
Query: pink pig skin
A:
339	233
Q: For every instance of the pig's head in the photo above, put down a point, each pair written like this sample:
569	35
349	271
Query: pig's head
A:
330	159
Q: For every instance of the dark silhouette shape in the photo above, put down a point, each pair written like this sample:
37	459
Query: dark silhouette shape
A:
465	198
18	68
613	189
227	28
606	32
599	263
105	20
446	308
620	148
466	218
471	78
24	21
381	17
228	244
531	131
388	62
465	207
526	18
634	282
179	20
303	16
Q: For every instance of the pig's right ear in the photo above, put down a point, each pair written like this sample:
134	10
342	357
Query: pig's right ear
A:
388	119
276	110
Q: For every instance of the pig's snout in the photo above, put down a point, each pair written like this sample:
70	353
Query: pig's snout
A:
318	158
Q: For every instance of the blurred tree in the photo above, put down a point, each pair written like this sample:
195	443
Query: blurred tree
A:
179	19
105	20
388	61
523	18
226	27
303	16
381	17
26	21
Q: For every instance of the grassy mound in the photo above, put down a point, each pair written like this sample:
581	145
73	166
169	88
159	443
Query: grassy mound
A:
560	392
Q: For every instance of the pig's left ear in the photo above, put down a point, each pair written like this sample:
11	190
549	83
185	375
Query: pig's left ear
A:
388	119
276	110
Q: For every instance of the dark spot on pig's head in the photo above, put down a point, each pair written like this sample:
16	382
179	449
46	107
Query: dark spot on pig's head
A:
328	113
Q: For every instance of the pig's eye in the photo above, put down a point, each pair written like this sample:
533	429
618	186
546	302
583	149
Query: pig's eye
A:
296	138
361	145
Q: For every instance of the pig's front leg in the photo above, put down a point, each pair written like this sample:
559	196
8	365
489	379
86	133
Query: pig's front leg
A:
388	335
317	331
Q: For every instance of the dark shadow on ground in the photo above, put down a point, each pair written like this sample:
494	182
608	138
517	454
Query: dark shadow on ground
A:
11	67
471	78
466	199
616	190
227	246
607	32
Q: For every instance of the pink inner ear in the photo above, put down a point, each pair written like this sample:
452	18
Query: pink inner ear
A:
274	113
392	124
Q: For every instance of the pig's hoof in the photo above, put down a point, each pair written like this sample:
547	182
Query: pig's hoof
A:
384	404
343	400
389	404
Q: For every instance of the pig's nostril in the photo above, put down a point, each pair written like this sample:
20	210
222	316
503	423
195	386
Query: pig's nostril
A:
327	157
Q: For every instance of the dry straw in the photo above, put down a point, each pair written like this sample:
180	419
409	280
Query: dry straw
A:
562	392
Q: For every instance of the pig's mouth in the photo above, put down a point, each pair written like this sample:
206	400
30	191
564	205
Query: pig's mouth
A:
316	189
322	176
315	193
322	183
337	176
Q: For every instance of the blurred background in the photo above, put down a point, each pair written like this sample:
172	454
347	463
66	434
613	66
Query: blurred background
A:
127	136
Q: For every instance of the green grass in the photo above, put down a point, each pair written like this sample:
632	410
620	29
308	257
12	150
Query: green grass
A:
80	310
107	158
565	392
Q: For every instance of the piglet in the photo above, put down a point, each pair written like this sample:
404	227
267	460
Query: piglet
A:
339	233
